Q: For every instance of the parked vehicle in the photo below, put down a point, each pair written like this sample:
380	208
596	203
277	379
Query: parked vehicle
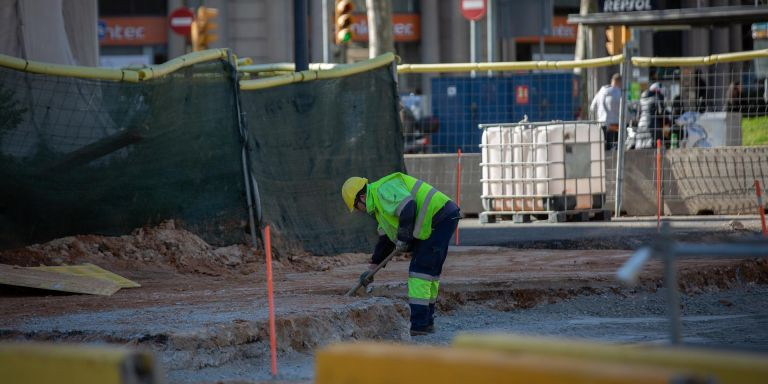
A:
417	129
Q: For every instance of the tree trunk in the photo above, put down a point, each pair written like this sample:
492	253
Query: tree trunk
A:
581	54
380	39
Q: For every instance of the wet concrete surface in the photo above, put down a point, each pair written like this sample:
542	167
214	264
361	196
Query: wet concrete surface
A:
735	318
206	328
730	320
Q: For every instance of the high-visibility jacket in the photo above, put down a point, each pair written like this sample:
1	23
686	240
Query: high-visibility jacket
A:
387	197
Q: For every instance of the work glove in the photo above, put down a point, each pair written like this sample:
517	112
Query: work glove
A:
402	246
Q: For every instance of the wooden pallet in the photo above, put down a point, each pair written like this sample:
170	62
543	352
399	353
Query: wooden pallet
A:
548	216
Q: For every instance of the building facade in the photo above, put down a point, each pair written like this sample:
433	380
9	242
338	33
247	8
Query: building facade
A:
425	31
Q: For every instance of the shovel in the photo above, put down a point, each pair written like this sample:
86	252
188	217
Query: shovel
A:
353	291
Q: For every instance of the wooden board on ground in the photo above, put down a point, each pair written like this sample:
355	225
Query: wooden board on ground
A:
91	270
31	278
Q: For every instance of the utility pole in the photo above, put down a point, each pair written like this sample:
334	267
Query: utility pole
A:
300	51
326	26
490	36
380	34
582	38
473	44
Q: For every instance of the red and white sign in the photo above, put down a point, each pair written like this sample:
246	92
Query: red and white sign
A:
406	27
181	20
521	94
473	10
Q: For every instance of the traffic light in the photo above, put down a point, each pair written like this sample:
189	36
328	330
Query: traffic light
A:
343	14
615	38
204	28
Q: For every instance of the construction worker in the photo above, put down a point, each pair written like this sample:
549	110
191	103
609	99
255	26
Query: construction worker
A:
413	217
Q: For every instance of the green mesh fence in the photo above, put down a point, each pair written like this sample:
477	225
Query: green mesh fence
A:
83	156
306	139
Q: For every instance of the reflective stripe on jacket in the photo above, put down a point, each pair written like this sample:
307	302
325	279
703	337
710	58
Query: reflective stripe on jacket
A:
387	197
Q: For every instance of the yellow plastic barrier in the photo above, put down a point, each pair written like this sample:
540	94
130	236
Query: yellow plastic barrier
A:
181	62
389	363
310	75
128	75
724	367
68	70
339	70
700	60
244	61
33	363
510	66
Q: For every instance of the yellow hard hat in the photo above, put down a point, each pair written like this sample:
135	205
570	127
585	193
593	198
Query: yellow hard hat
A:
349	190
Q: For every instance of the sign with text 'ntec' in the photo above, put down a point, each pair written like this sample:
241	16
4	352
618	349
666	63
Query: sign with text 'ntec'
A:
133	31
406	27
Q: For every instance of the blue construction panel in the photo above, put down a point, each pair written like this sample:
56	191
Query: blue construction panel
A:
461	103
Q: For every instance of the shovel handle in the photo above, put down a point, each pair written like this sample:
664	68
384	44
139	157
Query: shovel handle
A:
381	265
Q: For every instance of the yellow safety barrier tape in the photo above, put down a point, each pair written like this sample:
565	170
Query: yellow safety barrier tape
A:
698	61
510	66
27	363
724	367
93	73
388	363
90	270
128	75
339	70
310	75
181	62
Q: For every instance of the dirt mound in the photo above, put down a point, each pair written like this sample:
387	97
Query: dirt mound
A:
162	246
168	246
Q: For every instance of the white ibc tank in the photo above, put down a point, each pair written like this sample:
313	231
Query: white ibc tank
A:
524	165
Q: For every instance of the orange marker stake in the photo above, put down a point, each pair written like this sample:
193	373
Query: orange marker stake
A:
658	185
270	298
458	189
760	206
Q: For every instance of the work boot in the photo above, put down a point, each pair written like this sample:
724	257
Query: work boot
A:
420	331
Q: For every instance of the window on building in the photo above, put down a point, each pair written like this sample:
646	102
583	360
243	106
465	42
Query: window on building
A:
398	6
133	8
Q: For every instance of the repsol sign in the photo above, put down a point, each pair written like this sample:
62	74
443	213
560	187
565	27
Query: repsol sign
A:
628	5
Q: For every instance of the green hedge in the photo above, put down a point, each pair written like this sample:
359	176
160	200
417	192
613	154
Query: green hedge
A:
754	131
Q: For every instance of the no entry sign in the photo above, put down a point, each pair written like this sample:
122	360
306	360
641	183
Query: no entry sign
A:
473	10
181	21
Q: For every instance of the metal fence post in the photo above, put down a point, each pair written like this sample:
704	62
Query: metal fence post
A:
251	187
625	71
670	282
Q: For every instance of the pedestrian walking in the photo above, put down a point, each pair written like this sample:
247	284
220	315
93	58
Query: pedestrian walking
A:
605	107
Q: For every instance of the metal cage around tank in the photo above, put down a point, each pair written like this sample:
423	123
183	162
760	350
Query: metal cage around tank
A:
553	170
